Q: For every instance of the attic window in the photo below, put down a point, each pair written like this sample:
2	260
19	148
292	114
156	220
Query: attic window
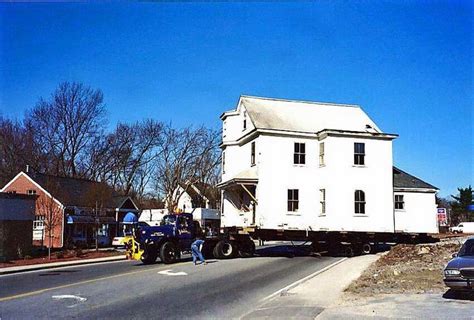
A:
245	121
31	192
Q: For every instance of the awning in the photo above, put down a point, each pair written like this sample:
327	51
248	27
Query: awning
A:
130	218
80	219
247	177
89	219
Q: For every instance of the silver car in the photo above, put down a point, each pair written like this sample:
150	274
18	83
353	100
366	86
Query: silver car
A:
459	273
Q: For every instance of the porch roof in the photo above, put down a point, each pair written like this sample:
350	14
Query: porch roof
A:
248	176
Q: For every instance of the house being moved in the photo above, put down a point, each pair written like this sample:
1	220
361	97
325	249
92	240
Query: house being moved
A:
299	165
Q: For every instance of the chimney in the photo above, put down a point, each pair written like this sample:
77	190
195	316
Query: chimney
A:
27	168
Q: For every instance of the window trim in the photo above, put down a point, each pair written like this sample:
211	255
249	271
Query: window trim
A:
321	154
298	154
252	154
293	200
360	204
358	156
322	202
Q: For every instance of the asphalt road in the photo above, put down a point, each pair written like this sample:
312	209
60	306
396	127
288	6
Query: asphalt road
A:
130	290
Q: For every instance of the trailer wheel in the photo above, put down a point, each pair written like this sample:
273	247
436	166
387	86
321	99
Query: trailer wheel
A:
168	252
348	251
366	248
247	249
224	250
149	256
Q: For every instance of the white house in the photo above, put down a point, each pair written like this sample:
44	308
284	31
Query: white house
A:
196	195
299	165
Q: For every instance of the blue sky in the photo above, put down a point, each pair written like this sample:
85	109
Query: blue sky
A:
408	64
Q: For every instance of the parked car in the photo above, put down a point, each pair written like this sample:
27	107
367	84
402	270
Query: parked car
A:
459	273
463	227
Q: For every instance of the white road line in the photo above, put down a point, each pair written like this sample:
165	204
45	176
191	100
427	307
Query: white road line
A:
300	281
76	299
170	272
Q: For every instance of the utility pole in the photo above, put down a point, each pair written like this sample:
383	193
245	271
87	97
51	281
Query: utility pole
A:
96	228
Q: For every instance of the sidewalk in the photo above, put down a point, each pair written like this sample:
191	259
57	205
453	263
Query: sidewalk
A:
32	267
323	297
312	297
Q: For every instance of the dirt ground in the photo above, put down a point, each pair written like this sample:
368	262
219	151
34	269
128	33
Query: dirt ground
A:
408	268
67	255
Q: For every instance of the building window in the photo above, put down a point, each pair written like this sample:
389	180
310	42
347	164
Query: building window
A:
38	223
299	156
252	153
321	154
223	161
293	199
399	202
359	154
322	201
359	202
245	121
31	192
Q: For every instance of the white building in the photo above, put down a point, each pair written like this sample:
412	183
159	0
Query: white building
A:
298	165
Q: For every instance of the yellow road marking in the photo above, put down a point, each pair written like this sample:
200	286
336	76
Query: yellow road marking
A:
32	293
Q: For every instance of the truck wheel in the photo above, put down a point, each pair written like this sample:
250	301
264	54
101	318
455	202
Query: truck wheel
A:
348	251
168	252
149	256
246	249
224	250
366	248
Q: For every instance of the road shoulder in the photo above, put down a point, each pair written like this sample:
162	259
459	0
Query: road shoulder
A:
313	296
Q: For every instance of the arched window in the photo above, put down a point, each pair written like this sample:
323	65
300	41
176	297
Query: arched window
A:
359	201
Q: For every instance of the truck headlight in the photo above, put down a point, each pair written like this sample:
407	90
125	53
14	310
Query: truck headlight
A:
451	272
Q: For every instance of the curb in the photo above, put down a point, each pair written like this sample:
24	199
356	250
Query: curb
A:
302	280
11	270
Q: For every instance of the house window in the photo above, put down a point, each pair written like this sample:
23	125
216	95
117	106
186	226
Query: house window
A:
322	201
399	202
359	202
359	154
38	223
245	121
252	154
293	199
223	162
299	156
321	154
31	192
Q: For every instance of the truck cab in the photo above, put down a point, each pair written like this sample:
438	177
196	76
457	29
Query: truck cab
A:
173	236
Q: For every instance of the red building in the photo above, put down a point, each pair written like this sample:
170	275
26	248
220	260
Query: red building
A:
68	209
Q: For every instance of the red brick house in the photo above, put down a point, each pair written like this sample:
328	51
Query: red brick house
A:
67	206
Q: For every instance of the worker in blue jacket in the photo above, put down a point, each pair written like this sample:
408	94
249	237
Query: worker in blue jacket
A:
196	252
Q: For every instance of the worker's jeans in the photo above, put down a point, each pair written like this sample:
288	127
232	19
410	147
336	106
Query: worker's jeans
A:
196	254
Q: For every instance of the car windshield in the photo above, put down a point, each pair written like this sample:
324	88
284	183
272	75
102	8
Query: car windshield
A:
467	249
168	220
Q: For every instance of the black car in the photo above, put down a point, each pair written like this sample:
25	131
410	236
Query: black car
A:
459	273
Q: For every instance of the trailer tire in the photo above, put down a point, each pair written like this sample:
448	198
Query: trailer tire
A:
149	256
247	249
224	250
348	251
366	248
168	252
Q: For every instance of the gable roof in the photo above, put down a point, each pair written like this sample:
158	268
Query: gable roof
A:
77	192
200	189
401	179
304	116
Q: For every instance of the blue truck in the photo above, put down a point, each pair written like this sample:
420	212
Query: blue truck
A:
174	236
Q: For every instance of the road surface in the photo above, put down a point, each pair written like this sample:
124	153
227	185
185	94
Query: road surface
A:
131	290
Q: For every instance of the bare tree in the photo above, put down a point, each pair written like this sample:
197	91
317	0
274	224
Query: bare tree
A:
188	156
66	124
17	149
132	150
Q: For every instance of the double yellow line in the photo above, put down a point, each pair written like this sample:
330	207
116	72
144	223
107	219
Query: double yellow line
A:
32	293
